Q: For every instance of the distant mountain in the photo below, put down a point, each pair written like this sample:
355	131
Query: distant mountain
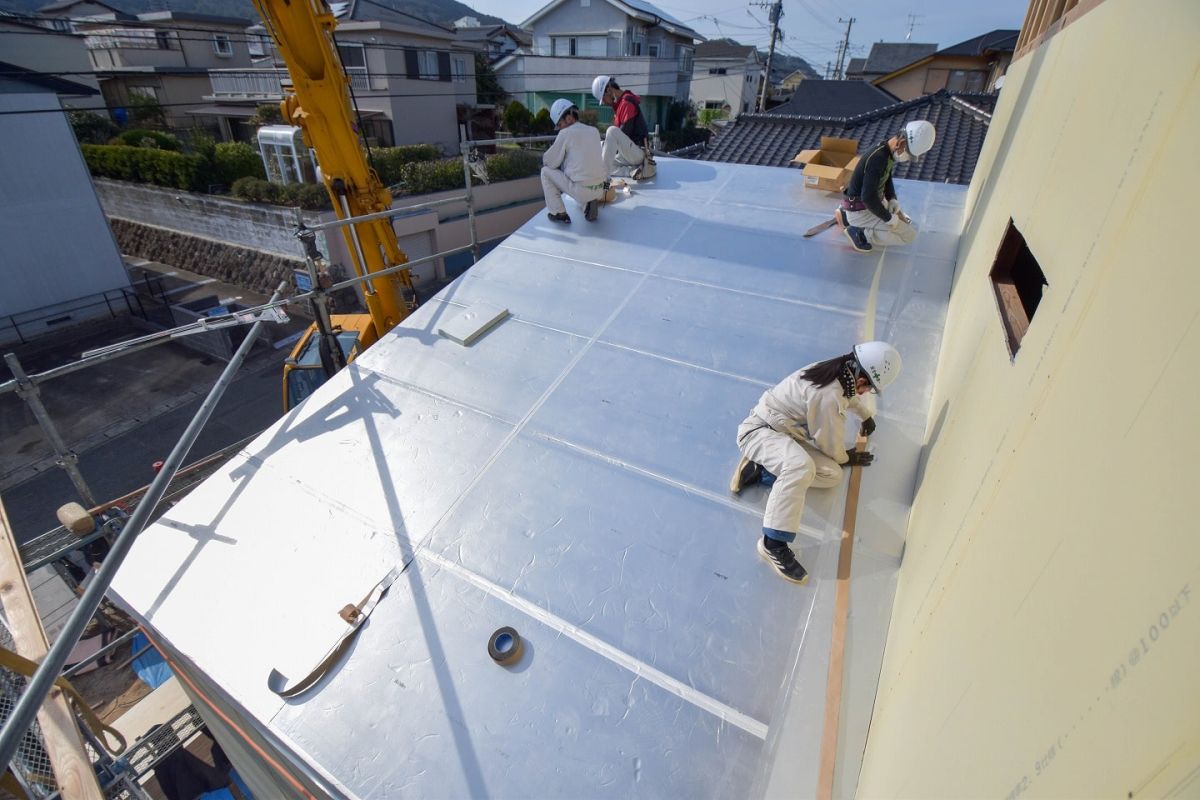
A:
784	65
443	12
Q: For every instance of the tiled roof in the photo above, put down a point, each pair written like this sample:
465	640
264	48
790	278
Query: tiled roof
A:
887	57
773	139
1002	39
856	66
721	49
834	99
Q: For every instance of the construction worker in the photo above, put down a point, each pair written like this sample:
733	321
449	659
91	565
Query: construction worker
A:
870	213
626	143
795	438
573	164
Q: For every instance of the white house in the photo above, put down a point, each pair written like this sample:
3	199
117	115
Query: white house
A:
645	49
726	77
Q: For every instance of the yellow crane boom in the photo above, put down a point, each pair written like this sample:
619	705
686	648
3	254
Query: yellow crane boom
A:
320	106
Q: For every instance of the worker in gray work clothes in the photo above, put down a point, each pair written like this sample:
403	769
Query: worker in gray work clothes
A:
870	214
795	438
573	165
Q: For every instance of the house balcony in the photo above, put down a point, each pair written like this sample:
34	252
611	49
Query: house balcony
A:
247	84
568	74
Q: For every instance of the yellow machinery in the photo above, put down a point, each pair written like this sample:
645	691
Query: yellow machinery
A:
319	105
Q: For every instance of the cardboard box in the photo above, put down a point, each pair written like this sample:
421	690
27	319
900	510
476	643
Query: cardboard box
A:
830	167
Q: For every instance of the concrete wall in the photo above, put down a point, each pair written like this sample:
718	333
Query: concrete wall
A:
57	244
1045	638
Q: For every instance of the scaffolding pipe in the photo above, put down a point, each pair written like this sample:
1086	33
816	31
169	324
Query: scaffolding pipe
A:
39	685
466	159
67	458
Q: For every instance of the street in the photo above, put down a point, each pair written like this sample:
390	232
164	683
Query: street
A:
124	463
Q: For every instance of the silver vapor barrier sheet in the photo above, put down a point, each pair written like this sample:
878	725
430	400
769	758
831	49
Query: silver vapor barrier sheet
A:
566	474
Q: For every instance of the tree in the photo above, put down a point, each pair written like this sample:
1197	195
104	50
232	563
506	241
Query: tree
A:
91	128
266	114
488	90
517	118
145	110
542	126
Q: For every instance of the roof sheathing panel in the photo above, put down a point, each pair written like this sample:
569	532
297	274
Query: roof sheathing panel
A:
566	475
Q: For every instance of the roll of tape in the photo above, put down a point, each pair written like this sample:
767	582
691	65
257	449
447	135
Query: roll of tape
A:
505	646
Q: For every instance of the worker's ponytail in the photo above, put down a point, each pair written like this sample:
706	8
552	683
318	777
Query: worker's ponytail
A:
826	372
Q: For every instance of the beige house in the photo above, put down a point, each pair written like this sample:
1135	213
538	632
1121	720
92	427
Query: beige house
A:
789	83
162	57
1046	631
971	66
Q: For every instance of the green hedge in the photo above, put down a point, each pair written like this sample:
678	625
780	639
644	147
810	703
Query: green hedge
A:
390	161
140	137
234	160
513	164
306	195
146	165
424	177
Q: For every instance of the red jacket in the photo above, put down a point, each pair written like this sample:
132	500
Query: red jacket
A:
627	115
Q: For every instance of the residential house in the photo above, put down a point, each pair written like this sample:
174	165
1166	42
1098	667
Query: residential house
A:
971	66
33	47
408	78
61	262
792	80
887	57
814	99
645	49
162	57
725	78
773	139
64	15
496	41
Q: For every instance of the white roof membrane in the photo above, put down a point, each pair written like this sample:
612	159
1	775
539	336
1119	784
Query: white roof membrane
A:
566	474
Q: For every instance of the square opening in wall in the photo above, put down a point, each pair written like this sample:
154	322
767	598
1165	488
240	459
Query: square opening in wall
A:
1018	280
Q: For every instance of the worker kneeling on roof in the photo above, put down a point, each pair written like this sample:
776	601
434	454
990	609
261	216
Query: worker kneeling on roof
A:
572	165
626	143
870	213
795	438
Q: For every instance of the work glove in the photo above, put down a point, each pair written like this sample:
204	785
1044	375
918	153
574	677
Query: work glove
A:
860	459
868	426
893	206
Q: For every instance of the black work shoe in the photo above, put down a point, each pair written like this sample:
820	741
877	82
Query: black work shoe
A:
746	474
591	211
858	238
784	561
559	217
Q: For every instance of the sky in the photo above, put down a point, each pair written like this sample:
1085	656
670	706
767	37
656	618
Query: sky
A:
811	29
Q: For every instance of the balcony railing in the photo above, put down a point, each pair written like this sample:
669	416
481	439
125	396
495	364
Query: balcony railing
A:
243	84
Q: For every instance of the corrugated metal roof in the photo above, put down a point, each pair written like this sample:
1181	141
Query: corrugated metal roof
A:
566	475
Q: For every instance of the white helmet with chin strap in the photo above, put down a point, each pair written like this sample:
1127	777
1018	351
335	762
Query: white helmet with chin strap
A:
919	135
879	362
560	107
599	85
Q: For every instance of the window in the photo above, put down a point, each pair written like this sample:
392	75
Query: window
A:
685	58
222	45
460	69
584	3
427	65
652	50
963	80
717	71
1018	280
594	46
144	92
258	44
163	39
710	104
354	62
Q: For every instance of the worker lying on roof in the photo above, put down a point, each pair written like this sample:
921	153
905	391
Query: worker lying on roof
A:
796	438
870	213
626	143
573	164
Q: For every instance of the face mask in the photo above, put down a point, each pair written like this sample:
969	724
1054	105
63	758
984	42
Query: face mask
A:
903	158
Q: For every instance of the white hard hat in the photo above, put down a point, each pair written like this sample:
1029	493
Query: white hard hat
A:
598	87
919	135
879	361
559	108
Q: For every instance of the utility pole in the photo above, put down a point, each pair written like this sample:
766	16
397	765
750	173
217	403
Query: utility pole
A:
828	67
839	73
776	13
